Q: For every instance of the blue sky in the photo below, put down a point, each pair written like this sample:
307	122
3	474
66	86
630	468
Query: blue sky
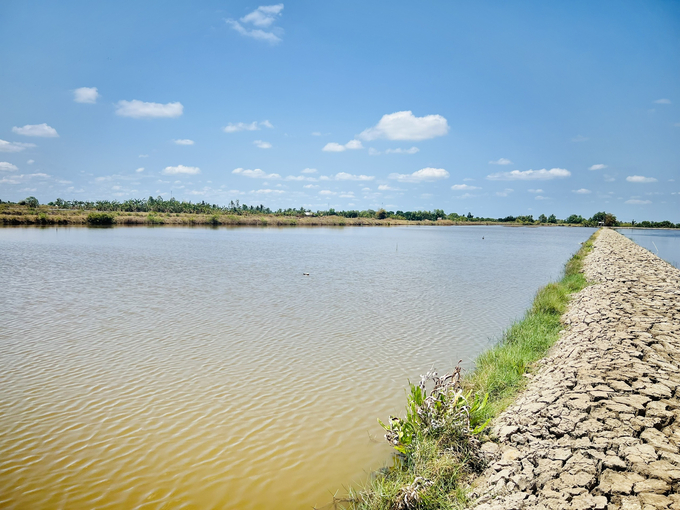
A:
496	108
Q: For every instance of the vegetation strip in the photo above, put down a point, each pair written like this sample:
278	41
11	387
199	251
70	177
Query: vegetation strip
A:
438	443
158	211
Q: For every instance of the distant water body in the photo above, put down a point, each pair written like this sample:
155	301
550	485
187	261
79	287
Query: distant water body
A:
662	242
199	368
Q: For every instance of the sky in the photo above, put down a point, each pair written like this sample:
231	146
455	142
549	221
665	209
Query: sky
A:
495	108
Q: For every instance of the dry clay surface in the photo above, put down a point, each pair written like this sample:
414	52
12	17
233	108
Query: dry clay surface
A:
599	425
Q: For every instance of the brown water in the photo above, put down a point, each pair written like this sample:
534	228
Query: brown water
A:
194	368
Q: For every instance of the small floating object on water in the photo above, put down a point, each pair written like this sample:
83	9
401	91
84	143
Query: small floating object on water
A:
482	237
305	274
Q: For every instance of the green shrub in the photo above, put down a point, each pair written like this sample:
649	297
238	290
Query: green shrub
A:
100	218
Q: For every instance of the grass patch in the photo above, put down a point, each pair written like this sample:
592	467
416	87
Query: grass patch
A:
438	442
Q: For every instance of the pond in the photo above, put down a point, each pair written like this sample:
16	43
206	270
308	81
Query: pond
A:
202	368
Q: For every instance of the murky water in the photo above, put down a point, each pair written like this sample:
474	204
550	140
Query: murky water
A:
662	242
196	368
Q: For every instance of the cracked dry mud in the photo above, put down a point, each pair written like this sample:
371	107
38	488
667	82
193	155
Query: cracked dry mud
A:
599	425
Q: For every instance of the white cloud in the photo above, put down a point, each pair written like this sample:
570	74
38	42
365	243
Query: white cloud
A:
405	126
383	187
424	174
458	187
464	195
255	174
6	146
143	155
662	101
599	166
140	109
270	191
316	133
263	17
412	150
347	194
181	169
140	170
262	145
336	147
373	152
8	167
327	192
243	126
344	176
184	141
86	95
30	161
640	178
635	201
309	171
539	197
505	192
530	175
581	191
42	130
310	186
501	161
535	190
608	178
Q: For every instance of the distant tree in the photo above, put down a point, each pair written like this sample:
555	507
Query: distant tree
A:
31	202
552	219
574	219
469	216
610	220
542	219
381	214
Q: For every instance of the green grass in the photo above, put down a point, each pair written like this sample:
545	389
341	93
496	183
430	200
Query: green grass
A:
447	461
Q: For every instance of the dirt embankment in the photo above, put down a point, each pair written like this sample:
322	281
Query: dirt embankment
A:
599	425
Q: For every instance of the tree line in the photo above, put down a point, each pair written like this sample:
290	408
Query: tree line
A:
160	205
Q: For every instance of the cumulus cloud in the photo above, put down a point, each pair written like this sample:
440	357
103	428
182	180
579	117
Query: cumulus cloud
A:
310	186
535	190
505	192
309	171
373	152
8	167
424	174
270	191
344	176
141	109
637	201
662	101
640	178
262	17
582	191
501	161
262	145
6	146
30	161
246	126
406	126
255	174
384	187
540	197
412	150
327	192
181	169
42	130
86	95
599	166
336	147
140	170
530	175
184	141
458	187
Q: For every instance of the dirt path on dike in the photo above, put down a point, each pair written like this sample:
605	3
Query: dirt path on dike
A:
599	425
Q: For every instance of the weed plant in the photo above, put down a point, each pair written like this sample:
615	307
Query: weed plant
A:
437	443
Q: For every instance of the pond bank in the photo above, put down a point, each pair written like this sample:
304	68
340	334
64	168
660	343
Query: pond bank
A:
599	425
